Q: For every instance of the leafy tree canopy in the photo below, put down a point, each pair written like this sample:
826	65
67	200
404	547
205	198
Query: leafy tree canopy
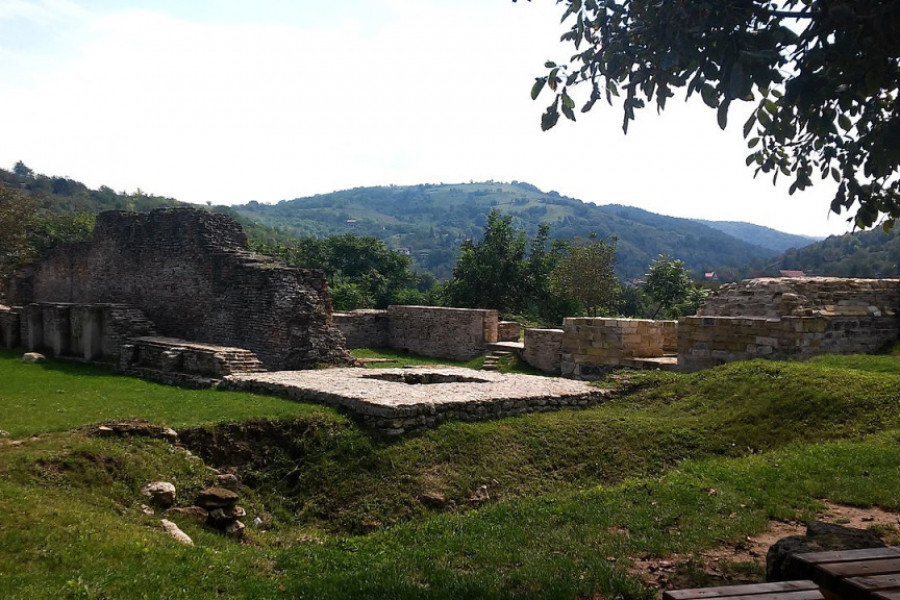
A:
824	74
667	284
491	273
587	274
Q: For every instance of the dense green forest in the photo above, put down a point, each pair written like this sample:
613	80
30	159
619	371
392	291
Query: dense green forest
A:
862	254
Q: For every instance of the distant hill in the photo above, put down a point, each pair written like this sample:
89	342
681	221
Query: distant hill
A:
766	237
431	221
861	254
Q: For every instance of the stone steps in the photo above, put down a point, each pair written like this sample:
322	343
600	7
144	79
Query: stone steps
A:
492	359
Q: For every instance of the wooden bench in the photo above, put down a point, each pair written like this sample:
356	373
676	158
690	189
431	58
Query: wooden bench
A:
872	573
782	590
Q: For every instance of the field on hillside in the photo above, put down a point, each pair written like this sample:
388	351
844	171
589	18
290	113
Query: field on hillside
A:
572	504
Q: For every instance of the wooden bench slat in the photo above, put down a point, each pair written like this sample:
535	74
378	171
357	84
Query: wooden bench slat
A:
875	582
862	568
887	595
832	556
733	591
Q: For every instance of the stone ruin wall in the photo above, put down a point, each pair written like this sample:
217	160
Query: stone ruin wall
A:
592	346
365	328
190	272
781	318
543	349
508	331
454	333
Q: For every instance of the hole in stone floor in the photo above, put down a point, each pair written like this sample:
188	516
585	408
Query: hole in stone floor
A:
424	378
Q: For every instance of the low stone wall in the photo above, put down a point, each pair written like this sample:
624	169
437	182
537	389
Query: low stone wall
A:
182	362
779	318
709	341
363	328
508	331
454	333
398	401
543	348
670	336
593	346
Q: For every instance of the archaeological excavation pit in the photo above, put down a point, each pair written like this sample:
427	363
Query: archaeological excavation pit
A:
398	401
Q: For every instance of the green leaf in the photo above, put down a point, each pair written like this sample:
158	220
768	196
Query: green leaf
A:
844	122
708	93
753	142
549	118
748	126
550	64
722	114
539	84
567	101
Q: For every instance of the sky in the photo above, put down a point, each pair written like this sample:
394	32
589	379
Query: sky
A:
229	101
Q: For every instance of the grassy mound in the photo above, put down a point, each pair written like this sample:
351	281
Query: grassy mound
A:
551	505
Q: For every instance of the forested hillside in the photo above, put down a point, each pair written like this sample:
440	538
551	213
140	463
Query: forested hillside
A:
762	236
862	254
432	221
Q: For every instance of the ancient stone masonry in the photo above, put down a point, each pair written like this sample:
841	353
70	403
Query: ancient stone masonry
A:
790	318
454	333
179	362
190	272
398	401
81	331
508	331
364	328
543	349
594	346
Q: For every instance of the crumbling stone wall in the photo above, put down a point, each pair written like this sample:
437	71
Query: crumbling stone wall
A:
190	272
364	328
454	333
508	331
592	346
543	348
790	318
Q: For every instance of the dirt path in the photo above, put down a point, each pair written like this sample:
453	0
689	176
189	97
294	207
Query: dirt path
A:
746	562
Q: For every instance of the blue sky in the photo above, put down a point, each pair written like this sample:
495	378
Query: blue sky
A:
231	101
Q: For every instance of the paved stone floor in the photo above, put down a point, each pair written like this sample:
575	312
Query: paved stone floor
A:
396	401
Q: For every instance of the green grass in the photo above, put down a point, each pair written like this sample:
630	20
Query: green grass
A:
55	396
575	495
398	358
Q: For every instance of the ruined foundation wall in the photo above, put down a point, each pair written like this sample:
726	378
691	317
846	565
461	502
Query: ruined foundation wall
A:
543	348
508	331
189	271
790	319
454	333
363	328
591	346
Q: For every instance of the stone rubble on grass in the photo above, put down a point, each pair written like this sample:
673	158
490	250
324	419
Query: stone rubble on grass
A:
229	481
191	512
223	511
137	428
161	493
173	530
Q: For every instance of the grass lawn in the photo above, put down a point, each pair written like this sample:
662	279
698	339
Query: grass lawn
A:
551	505
55	396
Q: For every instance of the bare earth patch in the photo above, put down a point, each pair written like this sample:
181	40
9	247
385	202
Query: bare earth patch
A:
745	562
